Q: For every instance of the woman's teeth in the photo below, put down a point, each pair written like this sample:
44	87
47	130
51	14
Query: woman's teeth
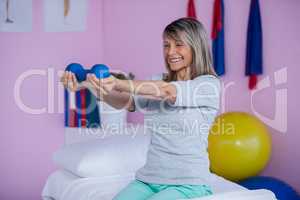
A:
174	60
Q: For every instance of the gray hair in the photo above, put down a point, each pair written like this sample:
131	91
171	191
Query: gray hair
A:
192	33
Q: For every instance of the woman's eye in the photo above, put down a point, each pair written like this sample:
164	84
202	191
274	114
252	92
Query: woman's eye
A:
179	44
166	45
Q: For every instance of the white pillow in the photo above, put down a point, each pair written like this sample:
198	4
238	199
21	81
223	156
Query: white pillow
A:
112	156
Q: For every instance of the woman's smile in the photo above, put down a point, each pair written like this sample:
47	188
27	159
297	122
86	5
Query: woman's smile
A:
175	59
177	54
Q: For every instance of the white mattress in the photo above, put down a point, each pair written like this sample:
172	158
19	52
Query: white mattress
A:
62	185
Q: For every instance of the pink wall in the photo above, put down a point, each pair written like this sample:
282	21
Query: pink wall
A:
130	40
28	141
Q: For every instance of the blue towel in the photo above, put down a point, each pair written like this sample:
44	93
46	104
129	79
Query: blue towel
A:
85	113
218	38
254	59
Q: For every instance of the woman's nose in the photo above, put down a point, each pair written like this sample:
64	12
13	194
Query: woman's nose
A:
171	50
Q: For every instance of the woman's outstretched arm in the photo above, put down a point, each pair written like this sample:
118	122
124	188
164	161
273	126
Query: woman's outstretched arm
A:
116	99
148	89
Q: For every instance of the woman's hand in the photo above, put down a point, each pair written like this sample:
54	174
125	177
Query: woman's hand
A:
102	86
168	92
69	81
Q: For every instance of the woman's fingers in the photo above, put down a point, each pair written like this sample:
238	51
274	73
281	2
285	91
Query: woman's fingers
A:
96	84
104	86
65	79
94	79
109	83
74	81
109	80
69	80
169	92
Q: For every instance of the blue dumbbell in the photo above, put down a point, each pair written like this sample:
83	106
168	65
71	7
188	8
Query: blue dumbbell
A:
78	70
100	71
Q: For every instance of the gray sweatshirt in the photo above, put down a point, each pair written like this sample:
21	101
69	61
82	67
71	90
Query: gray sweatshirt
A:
179	132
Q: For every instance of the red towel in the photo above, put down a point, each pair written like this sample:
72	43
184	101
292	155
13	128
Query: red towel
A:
191	10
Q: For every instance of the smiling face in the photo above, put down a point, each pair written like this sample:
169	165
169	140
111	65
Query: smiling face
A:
186	50
178	55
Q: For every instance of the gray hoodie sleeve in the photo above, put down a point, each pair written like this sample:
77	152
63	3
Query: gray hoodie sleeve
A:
201	91
140	102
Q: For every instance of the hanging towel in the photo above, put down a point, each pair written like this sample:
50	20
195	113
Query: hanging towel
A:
81	109
218	37
191	10
254	59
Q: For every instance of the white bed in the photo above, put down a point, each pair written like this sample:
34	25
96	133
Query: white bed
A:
64	185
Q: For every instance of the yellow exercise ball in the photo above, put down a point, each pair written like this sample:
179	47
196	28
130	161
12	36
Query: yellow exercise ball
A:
239	146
